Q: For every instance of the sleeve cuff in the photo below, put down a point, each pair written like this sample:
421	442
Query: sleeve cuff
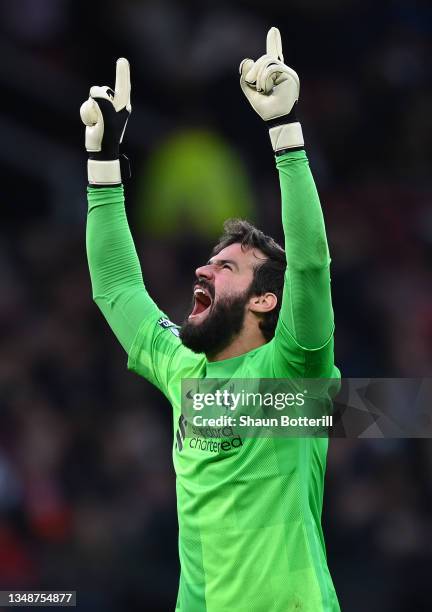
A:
286	136
104	172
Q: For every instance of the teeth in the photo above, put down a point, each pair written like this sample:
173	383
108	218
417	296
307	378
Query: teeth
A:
198	290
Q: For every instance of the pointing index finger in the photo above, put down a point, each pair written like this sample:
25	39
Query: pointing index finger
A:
122	84
274	44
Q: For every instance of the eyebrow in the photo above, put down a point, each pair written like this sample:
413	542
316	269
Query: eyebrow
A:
221	262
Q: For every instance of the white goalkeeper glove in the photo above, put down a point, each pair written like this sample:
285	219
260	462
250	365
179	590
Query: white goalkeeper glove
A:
105	114
273	91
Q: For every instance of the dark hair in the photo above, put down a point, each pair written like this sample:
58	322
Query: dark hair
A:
268	276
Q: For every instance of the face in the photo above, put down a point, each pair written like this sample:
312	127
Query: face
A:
221	296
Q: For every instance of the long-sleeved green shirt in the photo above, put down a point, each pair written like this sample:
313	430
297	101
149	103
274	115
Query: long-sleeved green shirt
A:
250	536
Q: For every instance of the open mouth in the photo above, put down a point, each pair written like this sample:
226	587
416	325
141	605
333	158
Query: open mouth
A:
202	302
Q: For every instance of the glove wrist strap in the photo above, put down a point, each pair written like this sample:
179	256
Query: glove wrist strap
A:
104	172
286	136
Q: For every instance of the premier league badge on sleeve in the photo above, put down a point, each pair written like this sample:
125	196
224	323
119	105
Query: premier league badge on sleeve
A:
167	324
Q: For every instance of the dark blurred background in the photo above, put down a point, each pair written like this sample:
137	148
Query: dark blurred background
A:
87	495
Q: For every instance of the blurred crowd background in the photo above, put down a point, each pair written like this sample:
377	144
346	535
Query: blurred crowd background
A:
87	495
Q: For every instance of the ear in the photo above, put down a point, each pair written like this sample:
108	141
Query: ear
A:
260	304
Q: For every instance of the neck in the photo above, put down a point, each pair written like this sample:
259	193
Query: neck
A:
241	344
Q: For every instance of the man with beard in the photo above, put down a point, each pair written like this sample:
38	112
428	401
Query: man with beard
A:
250	536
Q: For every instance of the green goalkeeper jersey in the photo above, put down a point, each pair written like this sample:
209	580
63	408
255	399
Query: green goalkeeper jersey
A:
249	509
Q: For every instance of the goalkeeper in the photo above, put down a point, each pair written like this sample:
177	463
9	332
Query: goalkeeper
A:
250	536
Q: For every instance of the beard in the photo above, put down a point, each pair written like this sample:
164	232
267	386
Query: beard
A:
221	325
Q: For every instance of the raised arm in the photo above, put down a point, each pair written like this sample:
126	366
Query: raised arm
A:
306	312
306	319
117	283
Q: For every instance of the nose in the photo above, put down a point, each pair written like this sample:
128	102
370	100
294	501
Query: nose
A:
204	272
